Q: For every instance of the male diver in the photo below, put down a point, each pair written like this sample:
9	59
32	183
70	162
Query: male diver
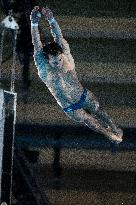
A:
56	68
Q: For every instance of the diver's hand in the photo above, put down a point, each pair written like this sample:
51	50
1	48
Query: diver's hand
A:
48	14
35	15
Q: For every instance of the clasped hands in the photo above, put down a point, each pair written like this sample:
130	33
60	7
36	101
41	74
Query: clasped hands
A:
36	14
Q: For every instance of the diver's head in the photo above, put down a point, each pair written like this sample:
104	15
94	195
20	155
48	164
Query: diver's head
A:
54	53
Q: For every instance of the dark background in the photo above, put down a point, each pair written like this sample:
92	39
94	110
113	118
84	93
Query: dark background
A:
70	163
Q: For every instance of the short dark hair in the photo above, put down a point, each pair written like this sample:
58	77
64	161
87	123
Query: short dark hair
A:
52	48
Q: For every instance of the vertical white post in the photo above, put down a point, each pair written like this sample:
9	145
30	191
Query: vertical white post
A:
2	121
7	134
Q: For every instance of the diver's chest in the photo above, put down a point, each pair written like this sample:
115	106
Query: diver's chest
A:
58	77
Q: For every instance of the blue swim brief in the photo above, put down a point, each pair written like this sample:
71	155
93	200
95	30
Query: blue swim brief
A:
77	105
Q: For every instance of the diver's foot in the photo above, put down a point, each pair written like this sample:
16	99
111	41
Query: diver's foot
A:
117	138
119	132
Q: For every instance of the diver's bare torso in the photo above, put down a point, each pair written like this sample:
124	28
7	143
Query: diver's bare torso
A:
64	85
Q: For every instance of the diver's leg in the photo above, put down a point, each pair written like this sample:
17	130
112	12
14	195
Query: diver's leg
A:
104	117
81	115
91	105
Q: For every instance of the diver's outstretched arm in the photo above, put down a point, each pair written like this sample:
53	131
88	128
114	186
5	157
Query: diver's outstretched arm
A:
35	19
41	61
55	29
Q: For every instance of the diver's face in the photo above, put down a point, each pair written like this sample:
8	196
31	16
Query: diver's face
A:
56	61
